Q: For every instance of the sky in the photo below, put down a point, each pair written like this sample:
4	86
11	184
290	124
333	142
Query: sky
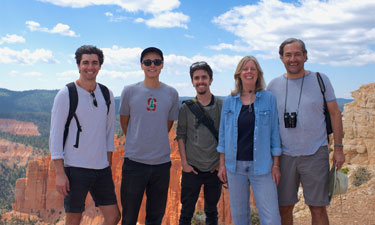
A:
38	39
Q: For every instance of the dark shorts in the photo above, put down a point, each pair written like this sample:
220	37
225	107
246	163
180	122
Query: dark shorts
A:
81	180
311	171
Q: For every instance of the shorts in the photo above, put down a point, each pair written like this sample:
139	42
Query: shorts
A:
311	171
81	180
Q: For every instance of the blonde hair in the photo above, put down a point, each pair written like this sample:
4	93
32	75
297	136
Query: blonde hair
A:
260	84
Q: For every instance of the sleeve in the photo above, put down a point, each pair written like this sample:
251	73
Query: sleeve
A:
124	108
330	93
275	132
221	145
173	112
110	127
182	123
59	115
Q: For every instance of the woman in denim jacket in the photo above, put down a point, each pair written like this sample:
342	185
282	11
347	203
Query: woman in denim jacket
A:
249	145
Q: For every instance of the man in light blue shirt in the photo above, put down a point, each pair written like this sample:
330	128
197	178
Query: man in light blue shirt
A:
305	157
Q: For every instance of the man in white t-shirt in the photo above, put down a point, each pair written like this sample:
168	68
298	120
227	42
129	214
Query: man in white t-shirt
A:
83	158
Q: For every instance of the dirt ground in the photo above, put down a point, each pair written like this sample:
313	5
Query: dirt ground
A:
356	207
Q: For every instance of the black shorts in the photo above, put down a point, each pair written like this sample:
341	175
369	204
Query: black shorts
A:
81	180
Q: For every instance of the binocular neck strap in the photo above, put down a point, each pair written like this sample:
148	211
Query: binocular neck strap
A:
286	93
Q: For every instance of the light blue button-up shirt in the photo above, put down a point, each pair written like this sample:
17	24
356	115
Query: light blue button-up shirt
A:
266	131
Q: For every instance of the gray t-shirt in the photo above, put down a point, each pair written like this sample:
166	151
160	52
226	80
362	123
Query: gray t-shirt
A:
200	144
310	132
150	110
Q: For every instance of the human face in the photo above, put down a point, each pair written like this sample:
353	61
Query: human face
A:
152	71
294	59
249	75
201	81
89	67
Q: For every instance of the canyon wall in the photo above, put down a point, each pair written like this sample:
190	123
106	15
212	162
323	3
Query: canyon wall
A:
359	126
18	127
15	154
35	194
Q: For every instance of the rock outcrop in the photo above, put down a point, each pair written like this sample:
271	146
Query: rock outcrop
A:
15	153
18	127
359	126
35	194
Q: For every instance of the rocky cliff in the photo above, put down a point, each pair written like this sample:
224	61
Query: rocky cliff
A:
359	126
15	153
18	127
35	194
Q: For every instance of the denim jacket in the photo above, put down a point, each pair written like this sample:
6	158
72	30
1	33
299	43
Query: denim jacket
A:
266	131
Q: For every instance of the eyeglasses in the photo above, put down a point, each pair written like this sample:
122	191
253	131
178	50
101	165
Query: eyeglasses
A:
196	64
93	99
148	62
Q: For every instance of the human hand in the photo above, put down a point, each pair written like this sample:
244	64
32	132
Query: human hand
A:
338	157
222	174
276	174
62	184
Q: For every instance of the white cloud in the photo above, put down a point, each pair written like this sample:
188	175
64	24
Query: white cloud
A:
335	32
60	28
11	39
113	18
26	57
125	58
25	74
148	6
161	10
123	75
166	20
179	65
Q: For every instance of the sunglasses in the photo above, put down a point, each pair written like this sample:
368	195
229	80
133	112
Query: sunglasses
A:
148	62
93	99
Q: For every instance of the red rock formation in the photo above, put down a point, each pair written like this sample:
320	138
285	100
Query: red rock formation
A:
36	193
15	153
18	127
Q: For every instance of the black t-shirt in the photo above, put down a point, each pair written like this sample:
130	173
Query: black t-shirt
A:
245	140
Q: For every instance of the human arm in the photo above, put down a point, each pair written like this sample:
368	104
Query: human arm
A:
170	124
276	170
185	165
336	121
124	122
62	181
222	174
110	128
109	157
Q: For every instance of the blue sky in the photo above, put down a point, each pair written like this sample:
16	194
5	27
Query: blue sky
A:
38	39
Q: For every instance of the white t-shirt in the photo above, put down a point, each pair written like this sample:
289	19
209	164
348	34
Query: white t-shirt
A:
97	136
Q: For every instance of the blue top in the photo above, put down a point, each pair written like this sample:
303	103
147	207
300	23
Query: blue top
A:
246	124
266	131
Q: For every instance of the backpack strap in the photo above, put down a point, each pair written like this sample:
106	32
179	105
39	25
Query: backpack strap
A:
106	95
202	116
73	102
326	113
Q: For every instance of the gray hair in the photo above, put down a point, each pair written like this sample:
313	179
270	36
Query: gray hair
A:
290	41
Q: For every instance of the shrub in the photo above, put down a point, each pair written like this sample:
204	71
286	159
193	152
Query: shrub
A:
254	217
198	218
344	170
361	176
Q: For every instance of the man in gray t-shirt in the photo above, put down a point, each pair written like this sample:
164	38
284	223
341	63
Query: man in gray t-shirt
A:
147	111
197	146
305	157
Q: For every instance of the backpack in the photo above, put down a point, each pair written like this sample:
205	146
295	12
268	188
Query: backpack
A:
73	102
